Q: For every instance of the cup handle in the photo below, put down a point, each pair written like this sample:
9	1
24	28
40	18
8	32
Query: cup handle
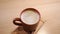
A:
16	23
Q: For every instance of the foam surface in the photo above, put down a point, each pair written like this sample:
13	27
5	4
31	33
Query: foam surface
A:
30	17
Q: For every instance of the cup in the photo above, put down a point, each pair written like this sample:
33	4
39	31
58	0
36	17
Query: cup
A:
29	19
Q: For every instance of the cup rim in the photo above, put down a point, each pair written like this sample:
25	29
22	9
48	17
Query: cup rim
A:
30	9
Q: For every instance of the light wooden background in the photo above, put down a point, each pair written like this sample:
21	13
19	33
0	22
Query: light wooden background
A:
49	9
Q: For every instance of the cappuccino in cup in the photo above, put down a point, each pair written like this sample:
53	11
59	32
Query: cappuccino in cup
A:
30	17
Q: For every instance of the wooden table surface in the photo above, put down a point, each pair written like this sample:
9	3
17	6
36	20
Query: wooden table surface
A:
19	30
49	9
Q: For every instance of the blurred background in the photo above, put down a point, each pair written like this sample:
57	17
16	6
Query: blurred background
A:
49	9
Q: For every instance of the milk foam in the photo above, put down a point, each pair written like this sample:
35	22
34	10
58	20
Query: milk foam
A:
30	17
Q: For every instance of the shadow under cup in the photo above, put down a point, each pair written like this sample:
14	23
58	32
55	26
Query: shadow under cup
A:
29	19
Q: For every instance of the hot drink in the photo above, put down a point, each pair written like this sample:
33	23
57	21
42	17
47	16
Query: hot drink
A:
30	17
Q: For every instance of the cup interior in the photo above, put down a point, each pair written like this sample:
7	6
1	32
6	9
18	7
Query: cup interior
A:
30	16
